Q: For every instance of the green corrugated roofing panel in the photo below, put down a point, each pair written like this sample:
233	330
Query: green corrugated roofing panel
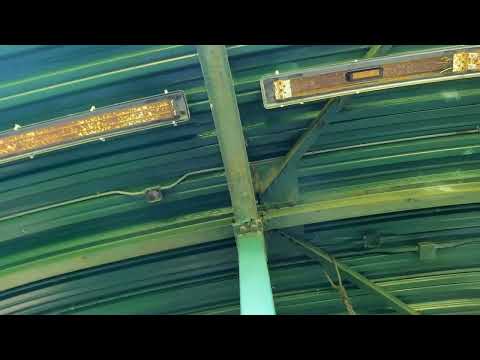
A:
124	255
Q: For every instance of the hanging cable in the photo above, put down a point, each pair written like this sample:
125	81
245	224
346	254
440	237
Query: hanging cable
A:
340	288
143	192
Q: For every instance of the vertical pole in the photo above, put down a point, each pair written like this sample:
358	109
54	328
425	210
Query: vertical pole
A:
223	103
255	289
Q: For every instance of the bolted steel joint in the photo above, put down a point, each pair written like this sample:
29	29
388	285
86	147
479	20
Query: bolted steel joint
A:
253	225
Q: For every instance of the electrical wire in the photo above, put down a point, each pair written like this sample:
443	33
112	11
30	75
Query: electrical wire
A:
110	193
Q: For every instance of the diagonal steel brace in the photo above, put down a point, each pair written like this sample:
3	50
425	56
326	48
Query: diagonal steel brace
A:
286	167
357	278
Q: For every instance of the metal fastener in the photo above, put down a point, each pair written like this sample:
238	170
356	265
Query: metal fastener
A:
153	195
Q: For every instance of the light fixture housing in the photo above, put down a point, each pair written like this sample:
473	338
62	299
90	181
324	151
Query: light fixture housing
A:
449	63
94	125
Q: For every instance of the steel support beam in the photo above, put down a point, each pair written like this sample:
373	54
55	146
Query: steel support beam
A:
255	289
357	278
388	201
305	141
207	226
229	131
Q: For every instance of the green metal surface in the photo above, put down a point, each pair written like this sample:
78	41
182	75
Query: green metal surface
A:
399	163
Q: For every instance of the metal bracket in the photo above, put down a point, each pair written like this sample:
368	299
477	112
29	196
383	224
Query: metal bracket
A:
277	182
284	191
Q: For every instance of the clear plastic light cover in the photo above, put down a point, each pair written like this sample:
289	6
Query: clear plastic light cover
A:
94	125
450	63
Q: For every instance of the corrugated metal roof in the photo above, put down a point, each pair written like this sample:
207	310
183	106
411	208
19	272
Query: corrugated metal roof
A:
124	255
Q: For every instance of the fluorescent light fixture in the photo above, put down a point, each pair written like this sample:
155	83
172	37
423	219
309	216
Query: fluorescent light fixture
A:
96	124
450	63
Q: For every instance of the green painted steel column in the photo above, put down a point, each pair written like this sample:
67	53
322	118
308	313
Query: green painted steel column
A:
223	102
255	289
